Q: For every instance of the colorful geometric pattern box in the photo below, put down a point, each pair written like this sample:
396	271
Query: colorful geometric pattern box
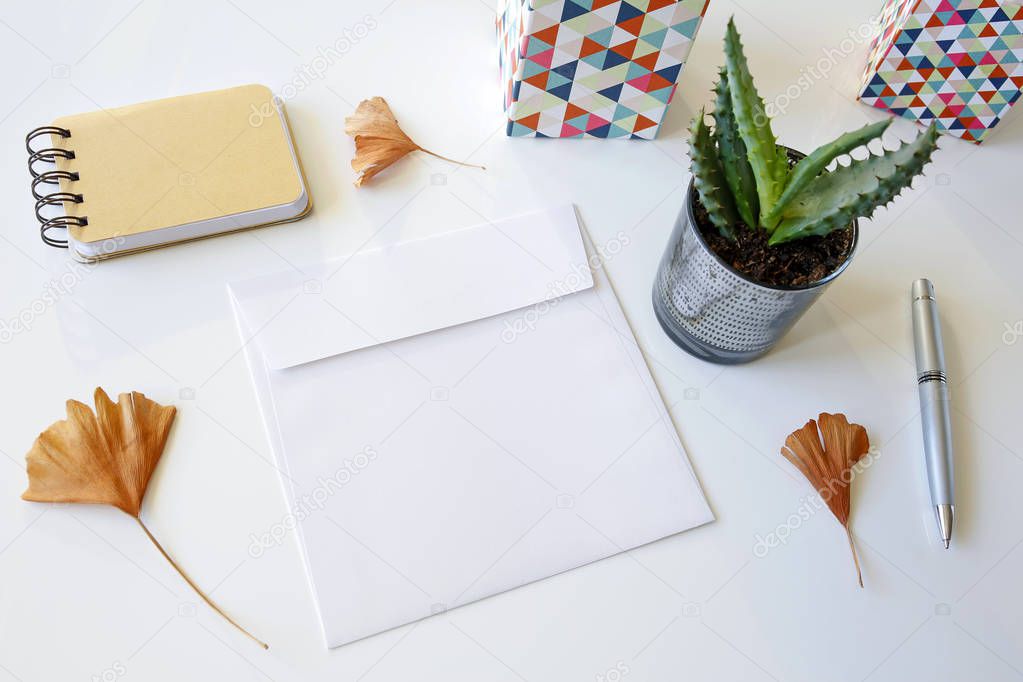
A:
593	68
957	62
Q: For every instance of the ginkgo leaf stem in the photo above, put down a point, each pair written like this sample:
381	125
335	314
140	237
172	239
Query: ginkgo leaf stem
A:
195	587
444	158
856	559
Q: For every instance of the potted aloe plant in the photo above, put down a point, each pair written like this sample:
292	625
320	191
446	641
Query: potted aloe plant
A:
763	228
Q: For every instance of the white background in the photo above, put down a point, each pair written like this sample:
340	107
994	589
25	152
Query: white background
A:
84	596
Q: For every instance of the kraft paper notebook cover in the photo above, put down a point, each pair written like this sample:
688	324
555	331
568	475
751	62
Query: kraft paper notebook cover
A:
166	171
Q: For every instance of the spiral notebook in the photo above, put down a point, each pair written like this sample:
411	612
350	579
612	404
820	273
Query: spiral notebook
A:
123	180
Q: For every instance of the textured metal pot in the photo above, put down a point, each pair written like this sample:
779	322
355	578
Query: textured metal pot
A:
716	313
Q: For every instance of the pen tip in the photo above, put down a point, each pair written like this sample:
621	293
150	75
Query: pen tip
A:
946	543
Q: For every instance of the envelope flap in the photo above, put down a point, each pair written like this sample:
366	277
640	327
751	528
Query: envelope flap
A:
414	287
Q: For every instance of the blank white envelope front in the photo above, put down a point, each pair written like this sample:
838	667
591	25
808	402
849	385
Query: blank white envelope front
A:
458	416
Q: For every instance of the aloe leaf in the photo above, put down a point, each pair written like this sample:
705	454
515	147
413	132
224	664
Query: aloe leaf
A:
769	167
709	178
811	166
832	200
732	151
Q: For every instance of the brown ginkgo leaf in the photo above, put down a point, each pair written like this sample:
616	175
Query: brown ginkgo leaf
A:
379	140
826	451
106	457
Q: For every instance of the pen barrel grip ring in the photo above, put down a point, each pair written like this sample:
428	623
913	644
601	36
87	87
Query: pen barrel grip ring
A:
932	375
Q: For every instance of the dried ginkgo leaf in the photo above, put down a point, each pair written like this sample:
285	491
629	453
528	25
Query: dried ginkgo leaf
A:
379	140
106	457
827	457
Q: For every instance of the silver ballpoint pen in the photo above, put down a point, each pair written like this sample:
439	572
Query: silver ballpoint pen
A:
934	405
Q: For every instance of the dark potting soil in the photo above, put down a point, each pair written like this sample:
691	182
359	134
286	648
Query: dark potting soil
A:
797	263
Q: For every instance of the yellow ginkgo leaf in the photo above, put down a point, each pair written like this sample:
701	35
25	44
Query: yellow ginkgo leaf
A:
825	451
379	140
106	457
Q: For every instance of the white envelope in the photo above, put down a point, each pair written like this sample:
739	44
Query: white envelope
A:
457	416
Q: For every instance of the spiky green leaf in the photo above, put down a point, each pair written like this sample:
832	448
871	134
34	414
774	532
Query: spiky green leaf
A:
832	200
732	151
811	166
709	178
769	167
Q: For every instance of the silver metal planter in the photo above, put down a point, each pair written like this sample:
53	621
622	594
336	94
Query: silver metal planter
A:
716	313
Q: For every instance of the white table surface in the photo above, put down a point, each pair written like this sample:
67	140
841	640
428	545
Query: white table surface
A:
84	596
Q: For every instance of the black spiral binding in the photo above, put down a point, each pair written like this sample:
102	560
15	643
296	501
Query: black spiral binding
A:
49	155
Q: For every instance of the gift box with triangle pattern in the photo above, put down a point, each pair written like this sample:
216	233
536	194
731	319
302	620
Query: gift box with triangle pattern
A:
593	68
956	62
